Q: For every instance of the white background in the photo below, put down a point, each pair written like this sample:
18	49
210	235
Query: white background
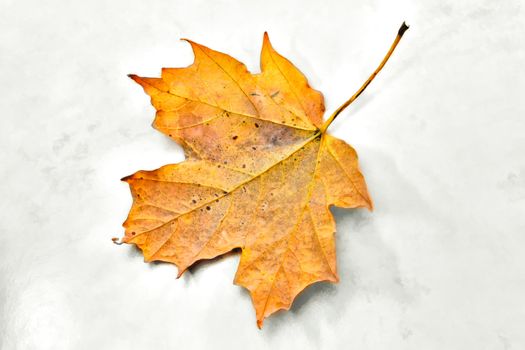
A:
441	136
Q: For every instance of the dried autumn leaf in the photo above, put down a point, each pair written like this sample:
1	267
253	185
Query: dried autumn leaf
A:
260	175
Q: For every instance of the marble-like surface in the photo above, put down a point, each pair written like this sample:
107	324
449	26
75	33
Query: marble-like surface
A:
441	136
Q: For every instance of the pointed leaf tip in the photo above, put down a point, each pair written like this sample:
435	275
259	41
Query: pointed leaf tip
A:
266	40
180	273
126	178
136	79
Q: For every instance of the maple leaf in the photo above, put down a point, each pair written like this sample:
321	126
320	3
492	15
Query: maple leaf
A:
261	174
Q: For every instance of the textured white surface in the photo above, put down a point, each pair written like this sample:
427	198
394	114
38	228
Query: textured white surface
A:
439	264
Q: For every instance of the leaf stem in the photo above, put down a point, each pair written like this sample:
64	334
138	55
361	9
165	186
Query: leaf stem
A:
400	33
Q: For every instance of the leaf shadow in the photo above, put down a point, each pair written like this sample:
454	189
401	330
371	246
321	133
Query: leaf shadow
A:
397	72
358	105
204	263
368	266
133	251
328	303
311	292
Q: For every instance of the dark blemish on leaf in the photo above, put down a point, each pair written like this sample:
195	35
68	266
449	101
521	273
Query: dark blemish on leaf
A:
193	201
235	137
274	94
244	166
254	94
256	125
133	233
208	207
225	162
217	200
224	192
216	195
218	165
254	148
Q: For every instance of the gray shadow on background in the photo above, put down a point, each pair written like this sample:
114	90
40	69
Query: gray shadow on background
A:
366	264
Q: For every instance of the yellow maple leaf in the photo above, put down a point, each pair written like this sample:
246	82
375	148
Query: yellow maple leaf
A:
261	174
